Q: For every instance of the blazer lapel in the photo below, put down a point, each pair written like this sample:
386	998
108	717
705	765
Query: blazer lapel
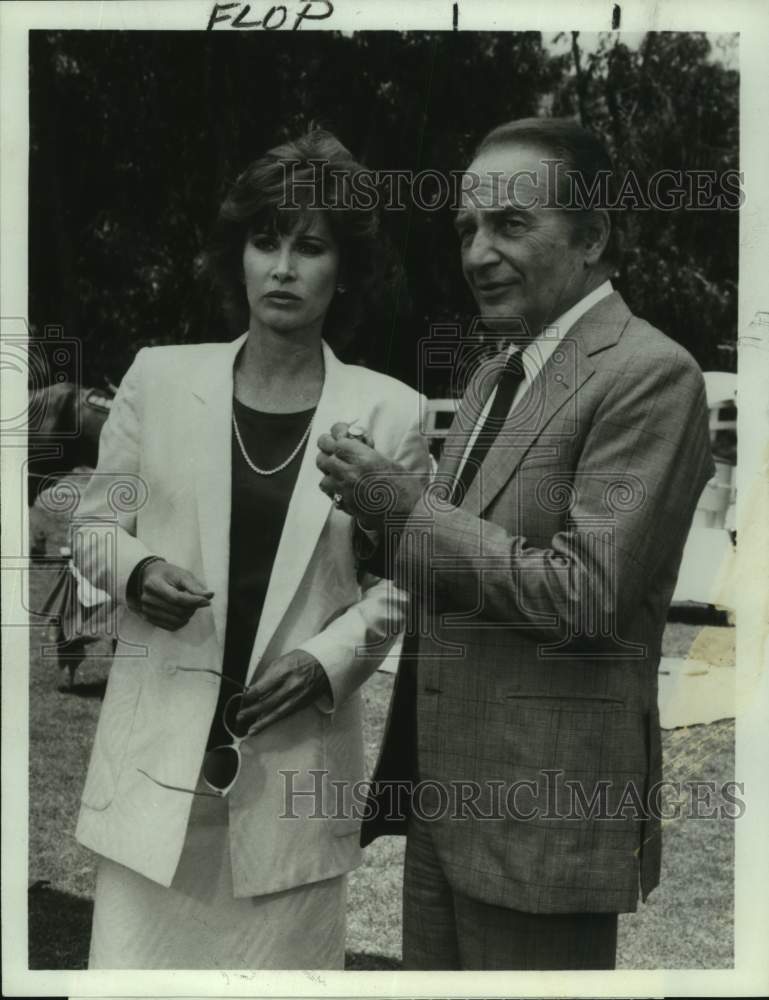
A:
210	443
307	512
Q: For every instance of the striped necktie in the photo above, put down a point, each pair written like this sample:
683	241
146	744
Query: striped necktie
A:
511	377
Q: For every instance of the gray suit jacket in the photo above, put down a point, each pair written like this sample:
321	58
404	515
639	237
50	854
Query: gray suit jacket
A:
529	713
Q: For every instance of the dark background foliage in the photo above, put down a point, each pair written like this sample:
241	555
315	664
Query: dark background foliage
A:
136	135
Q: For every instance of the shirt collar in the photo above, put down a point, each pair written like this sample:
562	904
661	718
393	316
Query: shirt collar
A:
542	346
567	320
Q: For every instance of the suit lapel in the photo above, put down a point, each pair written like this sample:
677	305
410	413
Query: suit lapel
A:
308	509
565	371
526	425
210	441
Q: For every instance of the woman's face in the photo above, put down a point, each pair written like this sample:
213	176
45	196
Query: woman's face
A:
290	279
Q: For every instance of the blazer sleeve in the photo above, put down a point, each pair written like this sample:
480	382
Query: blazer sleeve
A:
646	454
353	645
104	544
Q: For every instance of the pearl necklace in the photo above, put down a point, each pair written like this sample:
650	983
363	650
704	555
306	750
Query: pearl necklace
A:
278	468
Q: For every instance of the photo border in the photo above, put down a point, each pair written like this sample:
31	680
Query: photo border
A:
751	971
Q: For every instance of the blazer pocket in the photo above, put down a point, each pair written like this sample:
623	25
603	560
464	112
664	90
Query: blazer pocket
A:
113	732
344	765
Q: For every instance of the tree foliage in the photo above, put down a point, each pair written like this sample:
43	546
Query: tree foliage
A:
668	105
136	135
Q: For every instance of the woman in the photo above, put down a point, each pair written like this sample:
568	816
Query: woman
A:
234	573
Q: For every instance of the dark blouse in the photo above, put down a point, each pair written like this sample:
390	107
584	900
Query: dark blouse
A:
259	507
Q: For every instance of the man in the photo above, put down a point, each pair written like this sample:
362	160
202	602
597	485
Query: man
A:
540	564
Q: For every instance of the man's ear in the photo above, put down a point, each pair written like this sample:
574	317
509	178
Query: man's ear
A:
595	234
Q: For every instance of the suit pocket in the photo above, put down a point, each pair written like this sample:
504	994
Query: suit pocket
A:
578	701
582	736
113	732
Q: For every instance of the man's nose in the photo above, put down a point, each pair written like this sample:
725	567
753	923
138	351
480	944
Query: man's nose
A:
479	251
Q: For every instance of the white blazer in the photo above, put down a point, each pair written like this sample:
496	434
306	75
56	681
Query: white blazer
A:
168	439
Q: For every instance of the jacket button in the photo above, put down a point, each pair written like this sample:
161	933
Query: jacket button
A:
169	667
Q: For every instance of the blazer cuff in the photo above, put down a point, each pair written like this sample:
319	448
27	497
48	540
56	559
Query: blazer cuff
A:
130	553
133	585
365	542
326	651
345	668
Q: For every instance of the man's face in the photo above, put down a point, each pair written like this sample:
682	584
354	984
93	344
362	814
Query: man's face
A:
519	257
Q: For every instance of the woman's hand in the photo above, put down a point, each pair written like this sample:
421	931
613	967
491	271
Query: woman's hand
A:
169	595
289	683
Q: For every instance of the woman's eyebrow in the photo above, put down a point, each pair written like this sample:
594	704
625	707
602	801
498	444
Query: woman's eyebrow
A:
311	237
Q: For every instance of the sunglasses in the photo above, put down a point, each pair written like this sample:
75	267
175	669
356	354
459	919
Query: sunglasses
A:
221	764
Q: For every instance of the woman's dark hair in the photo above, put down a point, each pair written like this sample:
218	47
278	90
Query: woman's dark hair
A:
581	152
273	194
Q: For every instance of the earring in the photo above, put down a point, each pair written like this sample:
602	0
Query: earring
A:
341	289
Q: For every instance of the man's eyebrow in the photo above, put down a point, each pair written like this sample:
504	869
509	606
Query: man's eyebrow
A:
509	209
463	219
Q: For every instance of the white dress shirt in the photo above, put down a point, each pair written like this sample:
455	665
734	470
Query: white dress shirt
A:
535	354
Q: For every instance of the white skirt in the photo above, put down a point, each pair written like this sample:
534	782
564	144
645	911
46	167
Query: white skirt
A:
197	923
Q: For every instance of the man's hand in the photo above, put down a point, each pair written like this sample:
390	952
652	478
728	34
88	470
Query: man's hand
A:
370	485
289	683
169	595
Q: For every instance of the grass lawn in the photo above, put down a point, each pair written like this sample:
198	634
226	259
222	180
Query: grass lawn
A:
687	922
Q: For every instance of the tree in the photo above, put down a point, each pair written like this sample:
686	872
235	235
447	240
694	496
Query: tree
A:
136	135
669	105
